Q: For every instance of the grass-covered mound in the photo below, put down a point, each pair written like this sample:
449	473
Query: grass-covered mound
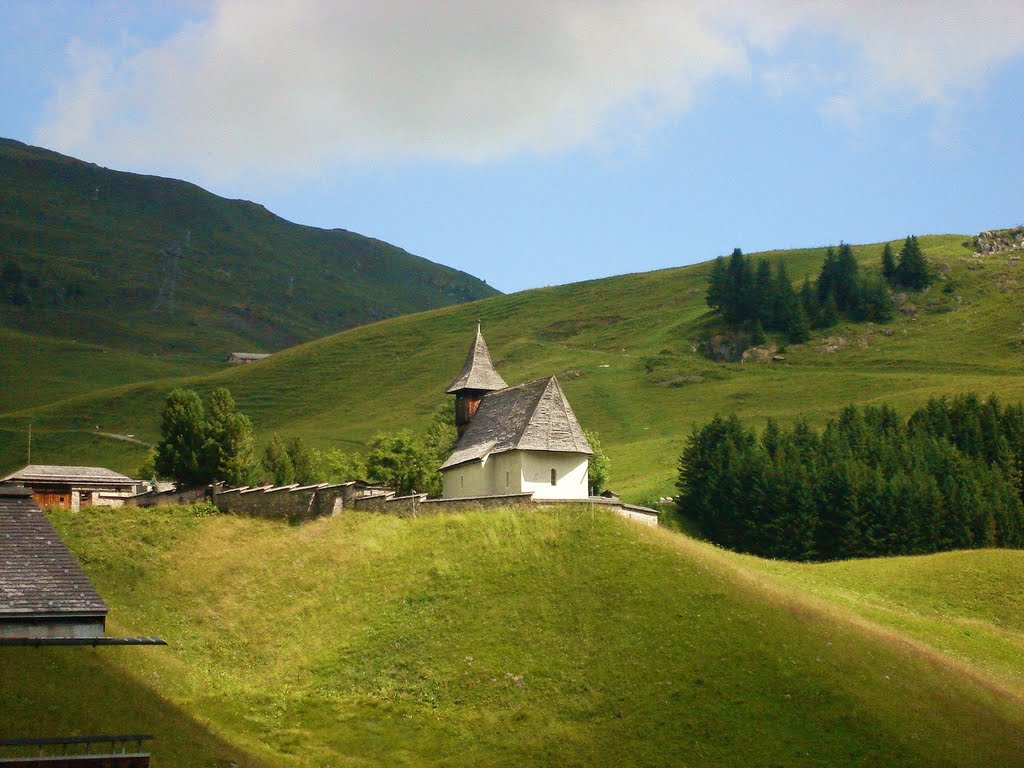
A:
504	638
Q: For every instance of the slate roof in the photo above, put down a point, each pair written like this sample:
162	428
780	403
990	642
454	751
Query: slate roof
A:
51	473
38	574
478	371
535	416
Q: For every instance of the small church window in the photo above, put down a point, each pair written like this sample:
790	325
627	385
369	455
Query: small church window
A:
506	479
554	476
462	481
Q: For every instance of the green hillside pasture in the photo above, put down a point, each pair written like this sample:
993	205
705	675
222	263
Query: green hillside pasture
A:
161	265
624	349
49	692
37	369
504	638
968	605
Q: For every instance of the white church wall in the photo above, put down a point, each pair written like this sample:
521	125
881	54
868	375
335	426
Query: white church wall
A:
570	474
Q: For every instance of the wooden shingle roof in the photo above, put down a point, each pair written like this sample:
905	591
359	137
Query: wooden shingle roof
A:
535	416
38	574
53	473
478	371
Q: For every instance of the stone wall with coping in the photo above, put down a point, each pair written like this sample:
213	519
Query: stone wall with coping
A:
288	502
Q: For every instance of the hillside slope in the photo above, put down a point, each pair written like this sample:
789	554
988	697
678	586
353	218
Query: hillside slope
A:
161	266
500	638
624	349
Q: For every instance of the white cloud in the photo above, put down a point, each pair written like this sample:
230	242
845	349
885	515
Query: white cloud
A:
289	86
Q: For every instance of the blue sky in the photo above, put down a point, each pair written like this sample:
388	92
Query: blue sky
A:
538	143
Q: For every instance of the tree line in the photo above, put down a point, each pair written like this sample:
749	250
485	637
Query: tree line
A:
756	299
214	442
868	484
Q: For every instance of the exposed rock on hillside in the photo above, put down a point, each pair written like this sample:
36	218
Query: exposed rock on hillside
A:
1000	240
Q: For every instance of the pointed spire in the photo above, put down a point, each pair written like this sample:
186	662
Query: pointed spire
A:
478	372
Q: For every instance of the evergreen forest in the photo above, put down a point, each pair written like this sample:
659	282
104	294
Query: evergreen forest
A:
756	299
868	484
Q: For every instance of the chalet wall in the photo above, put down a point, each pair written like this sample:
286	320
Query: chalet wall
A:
54	627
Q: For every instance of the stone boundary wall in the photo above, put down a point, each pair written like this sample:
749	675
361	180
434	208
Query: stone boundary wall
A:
300	503
389	504
163	498
289	502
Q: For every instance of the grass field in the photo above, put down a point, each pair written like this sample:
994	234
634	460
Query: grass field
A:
624	351
507	638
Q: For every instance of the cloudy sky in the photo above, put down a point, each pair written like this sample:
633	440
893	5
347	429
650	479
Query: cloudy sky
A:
537	143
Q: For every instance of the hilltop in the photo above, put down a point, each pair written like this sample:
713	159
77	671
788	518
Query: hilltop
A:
625	350
143	264
502	638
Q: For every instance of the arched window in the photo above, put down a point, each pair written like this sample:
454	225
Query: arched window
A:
462	481
506	478
554	476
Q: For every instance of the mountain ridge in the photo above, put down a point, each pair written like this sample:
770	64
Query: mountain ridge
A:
162	265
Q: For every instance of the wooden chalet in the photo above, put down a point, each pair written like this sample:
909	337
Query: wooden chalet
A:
73	487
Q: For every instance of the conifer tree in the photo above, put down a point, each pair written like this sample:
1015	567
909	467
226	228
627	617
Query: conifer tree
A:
846	279
763	298
809	300
888	264
828	315
912	269
876	301
179	455
718	284
277	464
229	448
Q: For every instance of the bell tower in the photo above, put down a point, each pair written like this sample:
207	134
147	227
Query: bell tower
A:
478	377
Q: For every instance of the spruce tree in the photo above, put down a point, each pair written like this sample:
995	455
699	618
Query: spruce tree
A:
179	454
763	298
277	464
846	279
229	449
718	284
828	315
912	270
888	264
809	300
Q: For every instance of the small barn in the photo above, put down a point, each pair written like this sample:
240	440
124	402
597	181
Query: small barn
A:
247	357
522	439
74	487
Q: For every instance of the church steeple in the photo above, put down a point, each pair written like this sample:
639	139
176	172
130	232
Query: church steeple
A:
478	377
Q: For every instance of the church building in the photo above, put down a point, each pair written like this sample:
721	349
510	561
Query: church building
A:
522	439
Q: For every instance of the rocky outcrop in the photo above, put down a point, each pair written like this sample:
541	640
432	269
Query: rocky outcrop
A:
1000	240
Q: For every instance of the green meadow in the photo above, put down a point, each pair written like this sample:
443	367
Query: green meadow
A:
556	637
624	349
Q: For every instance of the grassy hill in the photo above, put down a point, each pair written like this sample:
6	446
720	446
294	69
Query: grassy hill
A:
162	267
624	349
503	638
